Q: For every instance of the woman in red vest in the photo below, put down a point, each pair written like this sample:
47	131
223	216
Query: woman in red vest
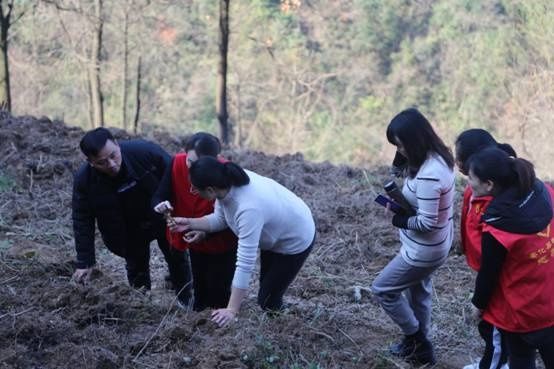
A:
212	258
468	143
514	290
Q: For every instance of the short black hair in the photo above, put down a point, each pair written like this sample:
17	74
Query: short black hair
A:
204	144
93	141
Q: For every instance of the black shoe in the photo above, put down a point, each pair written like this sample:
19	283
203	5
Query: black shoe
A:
415	348
404	348
423	353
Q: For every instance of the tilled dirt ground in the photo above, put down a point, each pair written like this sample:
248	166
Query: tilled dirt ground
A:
46	321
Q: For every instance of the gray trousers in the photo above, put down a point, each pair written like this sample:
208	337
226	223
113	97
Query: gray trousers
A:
411	310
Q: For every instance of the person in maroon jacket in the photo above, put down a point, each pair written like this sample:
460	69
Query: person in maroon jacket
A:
212	256
468	143
514	285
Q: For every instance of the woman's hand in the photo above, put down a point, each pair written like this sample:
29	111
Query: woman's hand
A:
223	316
194	236
180	225
388	212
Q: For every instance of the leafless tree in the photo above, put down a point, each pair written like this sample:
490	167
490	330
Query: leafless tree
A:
6	21
97	98
221	97
137	106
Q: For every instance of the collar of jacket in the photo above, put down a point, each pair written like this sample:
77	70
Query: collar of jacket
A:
524	215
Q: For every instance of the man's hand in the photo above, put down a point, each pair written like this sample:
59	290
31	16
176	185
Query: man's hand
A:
223	316
163	207
82	275
194	236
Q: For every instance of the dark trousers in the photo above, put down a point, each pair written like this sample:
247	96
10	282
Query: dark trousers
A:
277	271
522	348
138	266
212	276
496	352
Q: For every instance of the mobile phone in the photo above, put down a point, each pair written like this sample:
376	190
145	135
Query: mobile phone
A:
394	207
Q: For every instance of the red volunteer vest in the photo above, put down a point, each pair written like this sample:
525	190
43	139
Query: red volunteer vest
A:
471	226
187	203
524	299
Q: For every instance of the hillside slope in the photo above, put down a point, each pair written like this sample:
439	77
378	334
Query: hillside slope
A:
48	322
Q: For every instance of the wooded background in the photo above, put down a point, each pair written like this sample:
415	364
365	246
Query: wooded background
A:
320	77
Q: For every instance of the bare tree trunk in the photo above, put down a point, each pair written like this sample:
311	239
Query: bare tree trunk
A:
137	111
5	95
94	67
221	93
89	101
125	67
238	124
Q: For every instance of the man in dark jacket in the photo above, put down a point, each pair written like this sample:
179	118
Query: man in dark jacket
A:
114	188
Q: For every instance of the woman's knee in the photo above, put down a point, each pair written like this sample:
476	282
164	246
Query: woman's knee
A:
383	295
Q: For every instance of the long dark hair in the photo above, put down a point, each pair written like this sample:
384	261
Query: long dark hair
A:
504	171
474	140
418	138
209	172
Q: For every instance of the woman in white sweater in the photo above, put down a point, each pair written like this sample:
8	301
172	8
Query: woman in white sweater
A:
263	214
425	237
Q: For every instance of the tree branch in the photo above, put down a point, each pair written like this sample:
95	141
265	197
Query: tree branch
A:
10	9
63	8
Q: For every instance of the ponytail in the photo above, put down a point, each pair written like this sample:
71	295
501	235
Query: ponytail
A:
507	148
525	175
209	172
236	175
503	170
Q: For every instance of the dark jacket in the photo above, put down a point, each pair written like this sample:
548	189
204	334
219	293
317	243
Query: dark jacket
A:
120	206
512	213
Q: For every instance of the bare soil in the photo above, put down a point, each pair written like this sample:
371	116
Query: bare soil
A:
46	321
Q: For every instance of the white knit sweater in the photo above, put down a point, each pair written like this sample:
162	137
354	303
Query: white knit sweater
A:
262	214
428	238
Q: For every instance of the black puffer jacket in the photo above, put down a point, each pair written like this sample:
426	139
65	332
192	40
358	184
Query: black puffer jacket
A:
120	207
530	214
